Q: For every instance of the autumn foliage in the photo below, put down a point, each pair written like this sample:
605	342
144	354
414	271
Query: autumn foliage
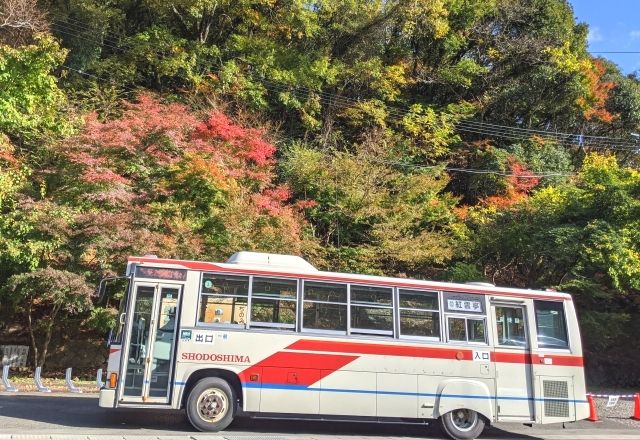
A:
165	180
520	181
599	90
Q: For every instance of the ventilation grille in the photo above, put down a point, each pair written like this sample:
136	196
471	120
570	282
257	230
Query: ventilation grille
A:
556	395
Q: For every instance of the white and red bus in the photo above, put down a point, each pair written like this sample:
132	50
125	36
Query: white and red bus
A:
266	335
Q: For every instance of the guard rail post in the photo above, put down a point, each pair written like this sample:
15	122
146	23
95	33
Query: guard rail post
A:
69	381
99	382
5	380
38	381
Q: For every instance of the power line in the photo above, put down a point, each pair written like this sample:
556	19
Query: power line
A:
469	126
479	127
396	113
475	171
401	164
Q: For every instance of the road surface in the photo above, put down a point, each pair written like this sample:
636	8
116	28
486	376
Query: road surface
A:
31	416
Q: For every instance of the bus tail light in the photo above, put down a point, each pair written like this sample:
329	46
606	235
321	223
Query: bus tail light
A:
113	380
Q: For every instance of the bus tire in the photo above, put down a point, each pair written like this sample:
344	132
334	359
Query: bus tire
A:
462	424
211	404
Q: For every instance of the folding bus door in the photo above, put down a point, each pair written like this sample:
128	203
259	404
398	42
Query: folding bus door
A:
150	345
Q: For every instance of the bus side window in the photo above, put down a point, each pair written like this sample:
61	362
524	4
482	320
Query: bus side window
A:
223	299
467	329
419	313
324	306
371	310
273	303
550	324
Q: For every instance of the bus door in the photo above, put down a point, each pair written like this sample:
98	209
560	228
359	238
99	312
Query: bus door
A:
512	357
147	365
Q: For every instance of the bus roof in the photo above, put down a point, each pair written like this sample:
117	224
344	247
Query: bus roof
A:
256	263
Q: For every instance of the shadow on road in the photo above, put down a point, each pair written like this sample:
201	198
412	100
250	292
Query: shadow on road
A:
60	412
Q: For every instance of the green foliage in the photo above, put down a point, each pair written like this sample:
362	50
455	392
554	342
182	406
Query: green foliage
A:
45	298
102	319
30	101
389	218
586	230
432	133
460	272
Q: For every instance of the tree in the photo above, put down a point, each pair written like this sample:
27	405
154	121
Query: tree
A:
20	20
31	103
160	179
45	298
374	214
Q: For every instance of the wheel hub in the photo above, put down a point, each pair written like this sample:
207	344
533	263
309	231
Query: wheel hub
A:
212	405
463	419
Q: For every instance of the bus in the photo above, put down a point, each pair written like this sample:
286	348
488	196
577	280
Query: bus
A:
267	335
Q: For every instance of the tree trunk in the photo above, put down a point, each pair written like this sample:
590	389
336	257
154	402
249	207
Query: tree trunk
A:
48	333
31	335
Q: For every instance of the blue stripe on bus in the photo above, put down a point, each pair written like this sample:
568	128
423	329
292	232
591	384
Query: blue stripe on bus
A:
398	393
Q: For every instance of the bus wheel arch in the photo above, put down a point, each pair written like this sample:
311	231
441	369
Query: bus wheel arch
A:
464	394
229	376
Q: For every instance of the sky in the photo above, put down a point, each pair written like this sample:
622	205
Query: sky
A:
614	25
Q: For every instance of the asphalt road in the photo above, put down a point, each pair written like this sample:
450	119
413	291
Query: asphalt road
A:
67	416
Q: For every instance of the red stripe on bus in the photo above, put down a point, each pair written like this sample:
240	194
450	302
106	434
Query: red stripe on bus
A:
416	284
528	358
434	353
302	369
114	350
383	350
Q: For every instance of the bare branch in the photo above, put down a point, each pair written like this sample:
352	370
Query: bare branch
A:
20	20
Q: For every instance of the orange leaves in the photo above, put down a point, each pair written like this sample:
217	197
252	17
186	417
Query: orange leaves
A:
519	185
595	106
247	143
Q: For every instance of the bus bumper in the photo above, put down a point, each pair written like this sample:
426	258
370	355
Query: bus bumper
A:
107	398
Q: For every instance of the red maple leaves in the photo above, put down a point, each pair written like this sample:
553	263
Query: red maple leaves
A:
520	182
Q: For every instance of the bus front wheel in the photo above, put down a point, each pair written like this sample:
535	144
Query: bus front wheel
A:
462	424
211	404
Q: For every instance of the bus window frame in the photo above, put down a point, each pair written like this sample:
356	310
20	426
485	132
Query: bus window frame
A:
358	331
466	317
303	329
200	323
440	312
251	324
567	328
527	330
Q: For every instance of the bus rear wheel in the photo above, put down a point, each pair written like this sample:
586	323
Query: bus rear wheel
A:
211	404
462	424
